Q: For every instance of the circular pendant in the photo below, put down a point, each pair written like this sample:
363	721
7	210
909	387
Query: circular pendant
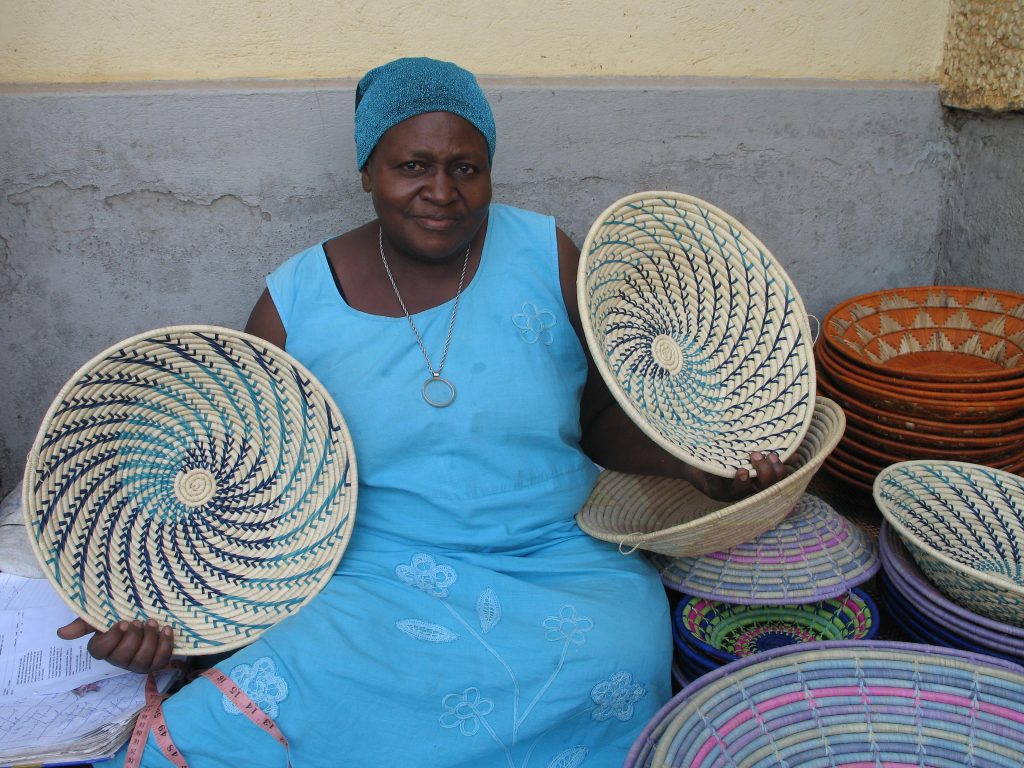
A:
444	391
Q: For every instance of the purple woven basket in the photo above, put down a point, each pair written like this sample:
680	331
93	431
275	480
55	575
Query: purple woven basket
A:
908	578
843	703
814	554
923	629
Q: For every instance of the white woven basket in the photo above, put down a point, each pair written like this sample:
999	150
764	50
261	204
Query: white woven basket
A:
699	333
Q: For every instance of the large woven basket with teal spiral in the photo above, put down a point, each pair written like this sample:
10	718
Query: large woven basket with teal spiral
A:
964	525
697	330
194	475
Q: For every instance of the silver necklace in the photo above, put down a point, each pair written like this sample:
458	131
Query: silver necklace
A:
436	379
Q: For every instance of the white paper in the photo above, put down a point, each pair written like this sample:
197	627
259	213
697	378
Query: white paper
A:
91	722
33	660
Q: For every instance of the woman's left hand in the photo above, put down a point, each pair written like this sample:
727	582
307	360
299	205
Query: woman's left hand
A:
769	470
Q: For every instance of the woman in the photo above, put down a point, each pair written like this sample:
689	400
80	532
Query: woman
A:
470	621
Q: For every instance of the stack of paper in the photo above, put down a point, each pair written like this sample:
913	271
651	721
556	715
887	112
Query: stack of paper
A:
57	703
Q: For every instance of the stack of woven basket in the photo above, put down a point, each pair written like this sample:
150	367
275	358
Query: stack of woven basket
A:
795	583
952	551
925	373
704	342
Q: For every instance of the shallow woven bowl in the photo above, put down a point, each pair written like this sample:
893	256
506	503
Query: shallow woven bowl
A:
193	475
850	472
728	631
813	554
844	703
839	366
901	396
948	334
673	518
857	422
921	628
698	332
991	455
964	525
872	455
1012	429
909	580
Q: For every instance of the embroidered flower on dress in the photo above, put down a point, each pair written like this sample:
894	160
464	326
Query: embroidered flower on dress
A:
261	683
534	324
465	710
568	626
425	574
616	696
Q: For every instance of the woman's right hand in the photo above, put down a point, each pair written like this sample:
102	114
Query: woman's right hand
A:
133	645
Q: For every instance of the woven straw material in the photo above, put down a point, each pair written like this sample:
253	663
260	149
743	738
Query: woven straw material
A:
193	475
923	629
907	578
813	554
857	703
671	517
727	632
953	334
698	332
964	525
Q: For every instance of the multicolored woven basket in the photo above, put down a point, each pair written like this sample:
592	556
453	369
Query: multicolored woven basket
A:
726	632
844	703
964	525
194	475
813	554
697	330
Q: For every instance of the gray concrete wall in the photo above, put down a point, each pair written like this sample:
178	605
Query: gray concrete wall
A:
984	227
124	210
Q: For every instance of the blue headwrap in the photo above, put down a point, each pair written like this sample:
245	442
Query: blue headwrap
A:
404	88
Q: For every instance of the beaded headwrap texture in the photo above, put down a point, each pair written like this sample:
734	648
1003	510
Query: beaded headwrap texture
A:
404	88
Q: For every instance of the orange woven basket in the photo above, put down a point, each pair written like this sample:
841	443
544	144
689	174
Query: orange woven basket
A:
932	333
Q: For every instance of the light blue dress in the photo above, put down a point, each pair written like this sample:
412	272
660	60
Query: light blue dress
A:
470	622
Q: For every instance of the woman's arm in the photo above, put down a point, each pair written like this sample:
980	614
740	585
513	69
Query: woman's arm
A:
265	322
611	439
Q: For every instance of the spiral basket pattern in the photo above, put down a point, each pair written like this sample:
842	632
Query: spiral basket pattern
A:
964	525
194	475
726	631
844	704
813	554
697	330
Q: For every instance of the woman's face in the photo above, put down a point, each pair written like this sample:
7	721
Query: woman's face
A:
430	181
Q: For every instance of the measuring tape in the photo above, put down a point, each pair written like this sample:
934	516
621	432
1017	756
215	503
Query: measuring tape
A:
152	718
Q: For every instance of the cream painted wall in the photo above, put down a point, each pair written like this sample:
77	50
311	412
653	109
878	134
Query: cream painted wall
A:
139	40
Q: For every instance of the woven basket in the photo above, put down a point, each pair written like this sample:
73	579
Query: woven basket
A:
910	582
697	330
726	631
923	629
964	525
671	517
813	554
193	475
844	703
952	334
